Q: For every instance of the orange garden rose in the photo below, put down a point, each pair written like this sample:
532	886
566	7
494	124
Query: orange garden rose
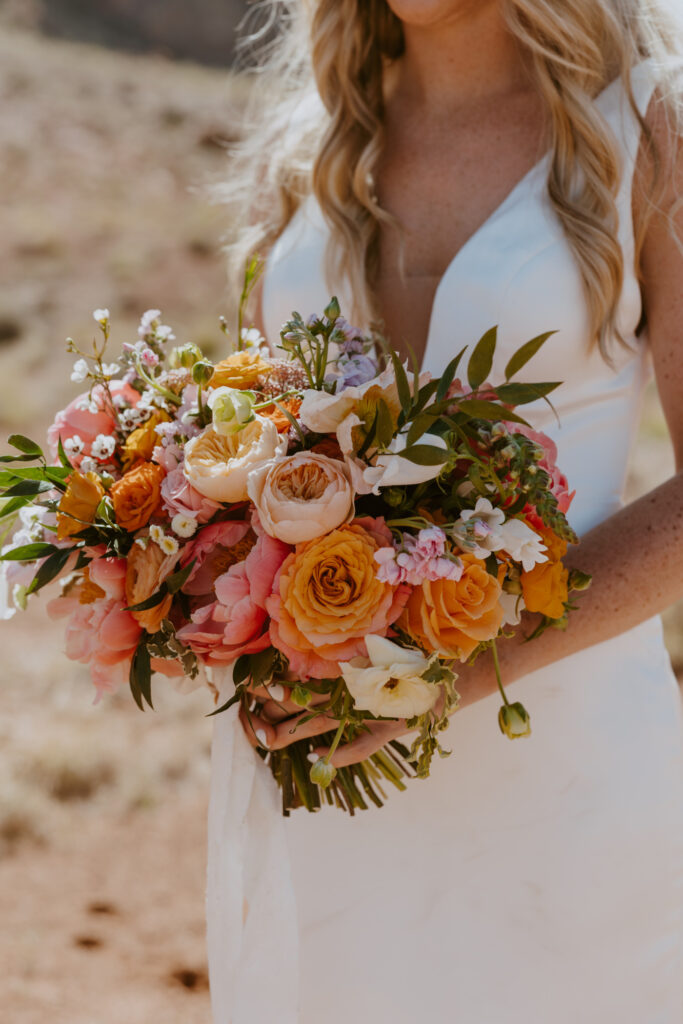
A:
330	599
136	495
545	587
146	569
454	616
272	412
239	370
142	442
79	503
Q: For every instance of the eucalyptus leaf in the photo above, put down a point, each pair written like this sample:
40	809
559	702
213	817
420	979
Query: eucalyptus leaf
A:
481	360
526	352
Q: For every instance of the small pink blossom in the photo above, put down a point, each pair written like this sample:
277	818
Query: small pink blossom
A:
179	497
422	557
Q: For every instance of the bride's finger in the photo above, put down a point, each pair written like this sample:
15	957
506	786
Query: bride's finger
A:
276	711
259	732
293	729
364	745
270	691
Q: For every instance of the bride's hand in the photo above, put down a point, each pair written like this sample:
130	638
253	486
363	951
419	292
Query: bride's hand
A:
278	721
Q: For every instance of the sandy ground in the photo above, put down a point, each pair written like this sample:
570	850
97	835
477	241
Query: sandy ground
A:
102	808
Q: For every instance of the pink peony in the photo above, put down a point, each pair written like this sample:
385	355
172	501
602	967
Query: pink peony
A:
179	497
215	549
77	420
101	634
237	622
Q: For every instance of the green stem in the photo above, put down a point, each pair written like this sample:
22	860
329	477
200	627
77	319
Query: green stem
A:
340	728
168	395
496	665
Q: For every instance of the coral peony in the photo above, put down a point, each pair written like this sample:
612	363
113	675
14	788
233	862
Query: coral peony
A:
213	550
179	497
87	416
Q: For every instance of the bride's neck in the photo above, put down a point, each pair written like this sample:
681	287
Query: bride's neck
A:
459	59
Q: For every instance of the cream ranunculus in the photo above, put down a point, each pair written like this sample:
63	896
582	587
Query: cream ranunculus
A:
390	684
391	469
301	496
218	465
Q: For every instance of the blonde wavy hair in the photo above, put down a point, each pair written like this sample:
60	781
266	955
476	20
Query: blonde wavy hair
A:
339	49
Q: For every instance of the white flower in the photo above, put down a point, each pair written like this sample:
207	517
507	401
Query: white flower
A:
523	544
88	465
110	369
73	445
391	469
165	333
80	371
323	412
478	530
103	446
184	526
513	606
156	533
169	545
147	321
252	337
390	684
100	316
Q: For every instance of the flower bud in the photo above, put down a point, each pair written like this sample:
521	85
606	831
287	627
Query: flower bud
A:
231	409
394	496
332	311
514	720
323	773
579	580
185	356
202	372
301	696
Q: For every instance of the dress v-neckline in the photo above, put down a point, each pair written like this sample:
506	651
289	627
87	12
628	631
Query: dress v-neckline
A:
457	257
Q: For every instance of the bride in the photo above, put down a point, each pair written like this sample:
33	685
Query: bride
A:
445	165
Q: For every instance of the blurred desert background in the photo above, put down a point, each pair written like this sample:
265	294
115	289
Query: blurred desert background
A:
114	120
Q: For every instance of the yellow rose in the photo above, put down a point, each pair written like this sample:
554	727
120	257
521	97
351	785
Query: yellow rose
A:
330	599
453	616
545	587
142	442
79	504
217	465
239	370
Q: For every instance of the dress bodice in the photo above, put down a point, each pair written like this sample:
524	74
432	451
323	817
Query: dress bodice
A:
518	271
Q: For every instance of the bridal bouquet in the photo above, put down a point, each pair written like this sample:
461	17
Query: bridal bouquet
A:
324	522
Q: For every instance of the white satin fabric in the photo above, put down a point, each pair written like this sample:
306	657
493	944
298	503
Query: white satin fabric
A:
539	881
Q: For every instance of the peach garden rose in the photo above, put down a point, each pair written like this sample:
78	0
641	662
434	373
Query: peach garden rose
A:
302	496
217	465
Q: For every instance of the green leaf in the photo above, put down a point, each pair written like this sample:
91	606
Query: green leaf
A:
224	707
12	506
478	409
492	565
29	552
263	665
527	351
481	360
28	487
402	385
448	376
63	457
242	669
51	567
18	458
176	581
385	428
424	394
25	445
420	426
425	455
140	675
151	602
521	394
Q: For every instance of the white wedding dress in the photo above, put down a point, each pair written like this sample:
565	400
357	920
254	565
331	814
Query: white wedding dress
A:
539	881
